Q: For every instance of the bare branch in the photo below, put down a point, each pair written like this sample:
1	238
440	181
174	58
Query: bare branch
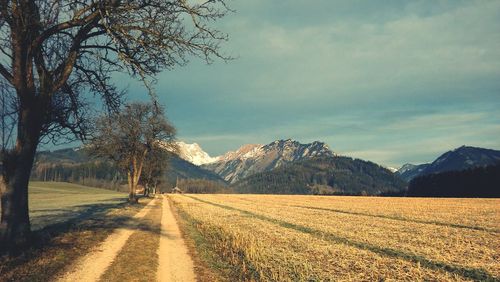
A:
5	73
74	22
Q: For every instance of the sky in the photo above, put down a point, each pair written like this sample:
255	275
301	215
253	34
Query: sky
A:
392	82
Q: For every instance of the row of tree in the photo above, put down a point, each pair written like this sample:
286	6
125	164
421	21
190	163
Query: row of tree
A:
92	173
135	140
202	186
131	147
75	172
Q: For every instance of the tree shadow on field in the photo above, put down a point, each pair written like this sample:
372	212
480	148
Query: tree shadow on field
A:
72	214
92	217
73	233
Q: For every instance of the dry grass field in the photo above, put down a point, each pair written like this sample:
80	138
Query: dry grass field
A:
301	238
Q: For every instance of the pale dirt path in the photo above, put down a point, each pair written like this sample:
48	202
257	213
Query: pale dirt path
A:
174	262
94	264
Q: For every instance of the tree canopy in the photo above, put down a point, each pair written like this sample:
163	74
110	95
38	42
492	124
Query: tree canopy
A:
56	52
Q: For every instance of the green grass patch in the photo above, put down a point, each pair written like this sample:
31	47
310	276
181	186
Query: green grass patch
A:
57	202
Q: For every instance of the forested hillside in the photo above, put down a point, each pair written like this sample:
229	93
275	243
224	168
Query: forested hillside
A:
462	158
202	186
477	182
327	175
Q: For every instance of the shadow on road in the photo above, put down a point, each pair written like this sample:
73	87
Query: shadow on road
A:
67	235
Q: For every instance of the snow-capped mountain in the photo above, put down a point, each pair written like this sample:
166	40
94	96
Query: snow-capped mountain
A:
244	152
392	169
461	158
193	153
255	158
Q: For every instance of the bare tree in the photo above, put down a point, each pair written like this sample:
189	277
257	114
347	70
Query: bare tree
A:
155	166
129	137
56	55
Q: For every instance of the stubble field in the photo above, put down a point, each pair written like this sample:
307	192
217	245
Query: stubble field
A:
304	238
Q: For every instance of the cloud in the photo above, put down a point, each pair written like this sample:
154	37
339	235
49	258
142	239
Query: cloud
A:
391	139
419	138
390	81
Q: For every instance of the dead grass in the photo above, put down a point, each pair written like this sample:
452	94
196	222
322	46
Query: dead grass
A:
472	252
208	265
269	238
138	260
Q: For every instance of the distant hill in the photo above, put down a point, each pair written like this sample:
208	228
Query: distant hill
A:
324	175
462	158
68	155
255	158
481	181
75	165
182	169
280	167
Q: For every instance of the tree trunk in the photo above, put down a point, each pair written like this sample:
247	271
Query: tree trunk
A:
17	164
15	223
131	188
135	176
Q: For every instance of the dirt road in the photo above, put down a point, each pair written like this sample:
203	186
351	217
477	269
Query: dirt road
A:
93	265
174	262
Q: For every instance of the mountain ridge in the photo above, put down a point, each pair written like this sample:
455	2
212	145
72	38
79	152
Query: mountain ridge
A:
254	158
326	175
458	159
